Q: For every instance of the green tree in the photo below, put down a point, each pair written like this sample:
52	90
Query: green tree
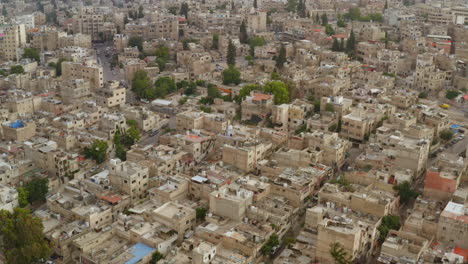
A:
31	53
281	58
354	13
451	94
351	44
17	69
136	41
446	134
134	133
205	109
231	54
335	45
269	247
97	151
182	84
301	8
141	85
341	23
289	240
406	192
201	213
37	190
231	75
339	254
22	240
23	197
164	86
329	108
215	42
121	152
317	18
213	92
243	36
422	95
184	9
140	12
173	10
255	42
291	6
317	106
51	17
329	30
324	18
58	67
279	89
191	89
157	256
389	222
275	76
255	4
246	90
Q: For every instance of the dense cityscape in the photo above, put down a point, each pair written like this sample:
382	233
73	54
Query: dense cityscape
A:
233	131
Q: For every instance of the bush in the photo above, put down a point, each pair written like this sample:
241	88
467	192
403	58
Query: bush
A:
446	134
389	222
231	75
406	192
451	94
422	95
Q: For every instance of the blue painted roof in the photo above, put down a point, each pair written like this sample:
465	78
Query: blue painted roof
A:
139	251
17	124
455	126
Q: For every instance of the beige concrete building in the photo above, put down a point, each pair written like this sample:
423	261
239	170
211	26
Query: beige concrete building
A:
161	160
257	21
216	123
19	130
89	70
453	225
257	106
129	178
175	216
75	91
146	120
230	202
246	156
401	246
357	125
76	40
8	198
332	146
112	95
13	40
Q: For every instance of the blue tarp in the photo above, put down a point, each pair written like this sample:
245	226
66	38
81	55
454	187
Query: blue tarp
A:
139	251
17	124
455	126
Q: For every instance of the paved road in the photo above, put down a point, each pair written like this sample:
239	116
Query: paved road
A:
109	74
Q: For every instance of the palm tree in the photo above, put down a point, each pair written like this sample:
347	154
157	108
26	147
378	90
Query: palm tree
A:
339	254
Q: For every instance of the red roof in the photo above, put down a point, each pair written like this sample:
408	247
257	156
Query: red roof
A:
113	199
342	36
261	96
224	90
465	97
462	252
435	182
181	19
